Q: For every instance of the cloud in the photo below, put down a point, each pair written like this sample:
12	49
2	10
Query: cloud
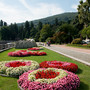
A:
41	10
11	14
74	6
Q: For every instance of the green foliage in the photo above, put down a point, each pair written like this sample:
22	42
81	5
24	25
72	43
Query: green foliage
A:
5	35
38	30
75	22
39	26
84	12
86	32
33	32
27	29
51	20
45	32
48	39
64	34
76	41
1	23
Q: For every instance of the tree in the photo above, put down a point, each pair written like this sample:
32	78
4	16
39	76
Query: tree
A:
84	12
39	26
27	29
1	23
65	33
45	32
86	32
77	24
5	24
31	24
38	29
33	32
21	32
15	30
37	36
56	21
5	33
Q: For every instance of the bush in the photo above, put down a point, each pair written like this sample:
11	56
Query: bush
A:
76	41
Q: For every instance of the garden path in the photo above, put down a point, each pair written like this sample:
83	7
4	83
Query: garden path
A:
81	55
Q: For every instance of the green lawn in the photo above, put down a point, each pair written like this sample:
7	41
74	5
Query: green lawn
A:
7	83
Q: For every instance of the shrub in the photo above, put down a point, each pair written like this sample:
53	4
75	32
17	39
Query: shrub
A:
76	41
25	44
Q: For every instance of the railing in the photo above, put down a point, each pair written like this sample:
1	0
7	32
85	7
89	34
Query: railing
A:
7	46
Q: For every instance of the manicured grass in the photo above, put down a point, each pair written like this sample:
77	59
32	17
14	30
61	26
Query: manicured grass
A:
7	83
79	46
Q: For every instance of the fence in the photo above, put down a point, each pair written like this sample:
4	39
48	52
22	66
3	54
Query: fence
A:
7	46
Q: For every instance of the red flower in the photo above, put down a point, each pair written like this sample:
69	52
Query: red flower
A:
22	53
17	64
36	48
58	64
46	74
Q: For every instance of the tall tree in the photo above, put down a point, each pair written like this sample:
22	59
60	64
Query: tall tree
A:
31	24
84	12
15	29
5	33
27	29
45	32
39	27
5	24
56	21
1	23
21	32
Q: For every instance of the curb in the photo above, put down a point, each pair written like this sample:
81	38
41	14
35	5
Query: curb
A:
84	62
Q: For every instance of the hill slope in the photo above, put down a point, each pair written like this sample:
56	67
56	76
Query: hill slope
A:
61	17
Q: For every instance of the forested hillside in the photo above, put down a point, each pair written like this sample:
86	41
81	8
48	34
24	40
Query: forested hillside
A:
51	20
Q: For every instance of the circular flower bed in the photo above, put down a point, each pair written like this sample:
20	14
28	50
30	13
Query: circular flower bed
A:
35	48
23	53
48	79
16	68
59	64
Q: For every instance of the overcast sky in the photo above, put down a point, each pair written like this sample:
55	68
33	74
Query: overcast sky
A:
19	11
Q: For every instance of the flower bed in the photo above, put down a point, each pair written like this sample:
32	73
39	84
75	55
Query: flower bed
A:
23	53
16	68
59	64
35	48
48	79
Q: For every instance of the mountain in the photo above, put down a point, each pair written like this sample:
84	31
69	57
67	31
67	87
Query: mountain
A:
51	19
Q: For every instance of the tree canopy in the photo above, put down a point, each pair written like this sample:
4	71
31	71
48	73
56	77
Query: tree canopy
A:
84	12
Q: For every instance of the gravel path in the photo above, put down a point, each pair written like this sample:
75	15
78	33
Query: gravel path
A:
81	55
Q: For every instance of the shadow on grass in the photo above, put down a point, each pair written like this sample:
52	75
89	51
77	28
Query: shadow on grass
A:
83	86
79	71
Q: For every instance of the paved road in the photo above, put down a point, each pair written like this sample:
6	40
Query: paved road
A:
82	56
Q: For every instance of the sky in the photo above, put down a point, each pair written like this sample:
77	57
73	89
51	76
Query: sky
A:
18	11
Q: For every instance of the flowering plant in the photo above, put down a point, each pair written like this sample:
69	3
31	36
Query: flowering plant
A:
35	48
59	64
22	53
16	68
63	80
